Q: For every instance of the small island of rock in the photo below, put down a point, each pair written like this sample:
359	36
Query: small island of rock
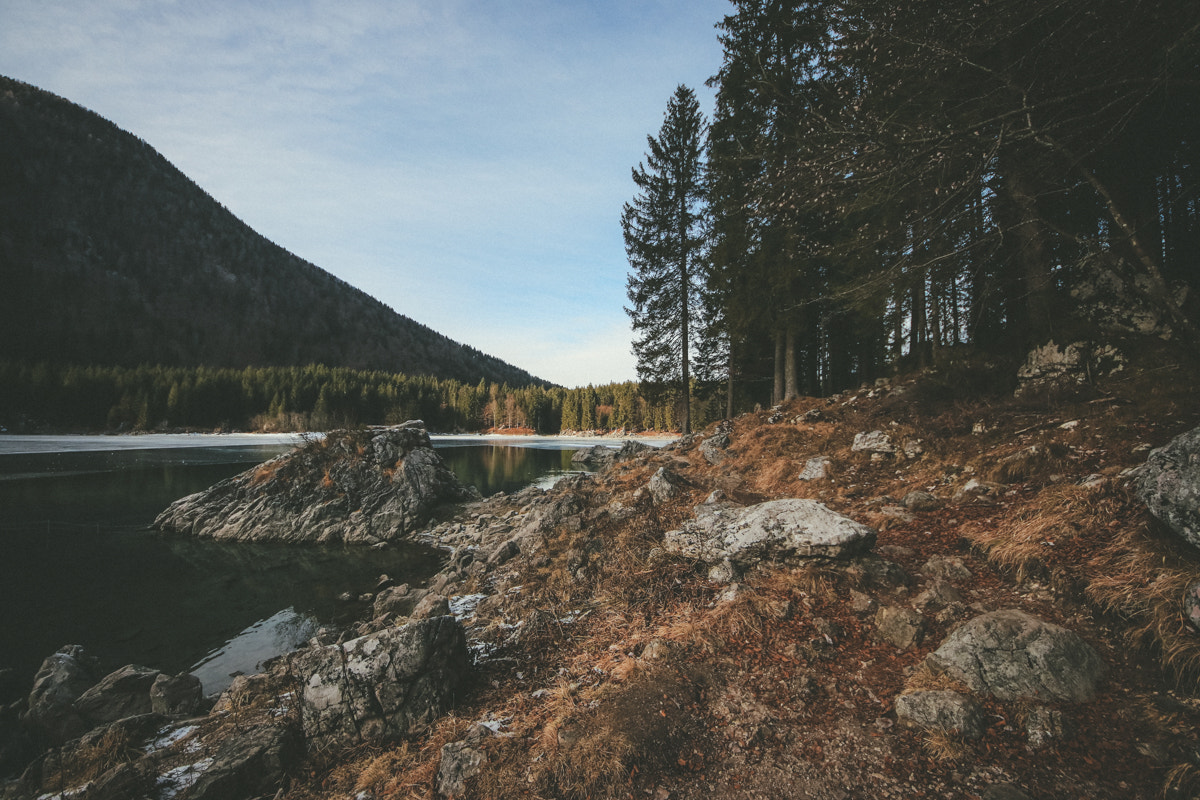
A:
349	486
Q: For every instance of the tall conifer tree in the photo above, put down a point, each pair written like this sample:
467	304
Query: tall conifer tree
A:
663	233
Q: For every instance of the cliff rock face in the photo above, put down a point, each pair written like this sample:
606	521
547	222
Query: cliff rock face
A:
358	487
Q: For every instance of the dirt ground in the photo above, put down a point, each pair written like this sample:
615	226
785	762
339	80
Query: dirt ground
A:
619	670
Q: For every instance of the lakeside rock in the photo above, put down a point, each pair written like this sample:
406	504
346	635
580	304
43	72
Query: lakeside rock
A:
381	686
354	487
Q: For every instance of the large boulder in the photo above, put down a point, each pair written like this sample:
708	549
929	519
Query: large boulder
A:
361	487
120	694
1010	654
779	530
381	686
1169	485
50	709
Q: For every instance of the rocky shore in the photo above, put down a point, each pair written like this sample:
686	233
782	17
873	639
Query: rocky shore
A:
875	595
363	487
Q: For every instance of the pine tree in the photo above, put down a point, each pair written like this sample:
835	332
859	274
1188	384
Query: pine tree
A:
663	238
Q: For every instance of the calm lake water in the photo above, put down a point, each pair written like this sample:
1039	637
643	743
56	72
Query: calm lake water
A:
78	564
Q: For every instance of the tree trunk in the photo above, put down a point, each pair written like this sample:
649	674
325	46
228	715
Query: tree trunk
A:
1034	269
917	334
777	393
729	391
790	388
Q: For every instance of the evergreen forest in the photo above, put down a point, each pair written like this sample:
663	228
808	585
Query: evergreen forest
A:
884	182
46	396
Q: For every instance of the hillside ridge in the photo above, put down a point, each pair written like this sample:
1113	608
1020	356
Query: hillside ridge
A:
110	255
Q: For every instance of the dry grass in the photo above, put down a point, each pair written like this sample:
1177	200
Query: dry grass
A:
111	749
1182	781
1048	531
1142	578
944	747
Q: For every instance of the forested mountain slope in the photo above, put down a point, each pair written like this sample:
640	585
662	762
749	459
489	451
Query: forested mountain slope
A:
110	255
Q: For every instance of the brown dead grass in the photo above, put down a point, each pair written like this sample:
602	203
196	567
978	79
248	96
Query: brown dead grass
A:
1141	578
612	724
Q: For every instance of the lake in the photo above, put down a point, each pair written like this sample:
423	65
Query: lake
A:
80	566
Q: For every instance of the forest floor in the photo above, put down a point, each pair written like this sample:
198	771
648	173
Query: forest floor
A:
637	676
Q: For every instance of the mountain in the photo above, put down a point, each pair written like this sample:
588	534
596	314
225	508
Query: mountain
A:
110	255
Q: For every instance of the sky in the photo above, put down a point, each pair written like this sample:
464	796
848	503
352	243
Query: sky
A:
463	161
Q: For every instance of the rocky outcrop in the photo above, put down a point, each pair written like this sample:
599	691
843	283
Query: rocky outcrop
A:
348	487
779	530
1169	484
50	713
1053	367
120	694
1010	654
382	686
601	456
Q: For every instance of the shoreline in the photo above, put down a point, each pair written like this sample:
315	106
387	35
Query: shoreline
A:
29	444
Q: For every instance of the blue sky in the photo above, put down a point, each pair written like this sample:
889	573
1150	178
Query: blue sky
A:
463	161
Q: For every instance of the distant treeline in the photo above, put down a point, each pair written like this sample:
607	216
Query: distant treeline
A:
146	398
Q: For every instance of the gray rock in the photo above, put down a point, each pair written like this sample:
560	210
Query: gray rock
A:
460	762
921	501
431	605
1055	368
250	763
50	709
944	711
949	568
873	572
1045	725
120	694
1010	654
780	530
940	594
862	603
1191	605
176	695
1169	485
816	469
665	484
631	449
382	686
508	550
597	456
398	600
873	442
902	627
345	488
713	448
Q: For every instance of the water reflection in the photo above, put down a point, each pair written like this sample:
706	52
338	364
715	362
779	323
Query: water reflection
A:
245	653
501	468
79	565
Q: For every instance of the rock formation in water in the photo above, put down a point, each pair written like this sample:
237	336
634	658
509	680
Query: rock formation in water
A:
360	487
